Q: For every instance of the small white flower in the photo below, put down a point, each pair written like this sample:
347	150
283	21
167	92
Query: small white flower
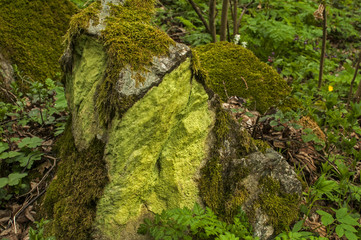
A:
236	39
244	44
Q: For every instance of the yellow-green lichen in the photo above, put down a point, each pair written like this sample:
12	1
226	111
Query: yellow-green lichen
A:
238	71
72	196
31	34
281	208
89	63
154	152
132	41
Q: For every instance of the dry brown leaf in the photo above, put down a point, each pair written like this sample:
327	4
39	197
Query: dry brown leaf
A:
279	144
28	213
45	165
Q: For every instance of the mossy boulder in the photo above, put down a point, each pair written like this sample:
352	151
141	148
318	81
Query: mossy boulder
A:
233	70
31	34
152	127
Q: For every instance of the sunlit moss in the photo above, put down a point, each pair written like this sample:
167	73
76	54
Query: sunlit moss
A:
233	69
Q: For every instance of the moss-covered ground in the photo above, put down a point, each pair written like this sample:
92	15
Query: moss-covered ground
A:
31	34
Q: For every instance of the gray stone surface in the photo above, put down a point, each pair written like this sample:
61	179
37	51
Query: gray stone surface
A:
127	84
6	71
261	165
104	13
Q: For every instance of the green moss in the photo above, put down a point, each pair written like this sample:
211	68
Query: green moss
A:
154	152
72	196
241	73
281	208
261	145
215	182
89	63
80	22
131	40
31	34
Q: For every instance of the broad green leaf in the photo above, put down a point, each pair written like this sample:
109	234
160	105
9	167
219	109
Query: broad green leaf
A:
326	218
30	142
10	154
341	213
14	178
3	147
273	123
322	185
298	226
350	235
340	231
348	227
3	182
348	220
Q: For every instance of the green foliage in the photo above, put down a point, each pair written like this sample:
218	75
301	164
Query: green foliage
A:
297	234
42	105
344	224
179	14
38	233
197	223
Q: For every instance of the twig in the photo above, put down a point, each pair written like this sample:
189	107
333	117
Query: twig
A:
25	207
11	94
242	13
225	90
86	3
245	82
199	13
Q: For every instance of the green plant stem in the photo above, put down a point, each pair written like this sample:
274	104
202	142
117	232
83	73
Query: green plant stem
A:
353	79
324	36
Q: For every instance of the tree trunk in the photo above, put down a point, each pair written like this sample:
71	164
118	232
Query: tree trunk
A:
224	18
212	17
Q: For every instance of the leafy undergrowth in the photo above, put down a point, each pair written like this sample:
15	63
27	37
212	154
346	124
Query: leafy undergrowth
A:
29	124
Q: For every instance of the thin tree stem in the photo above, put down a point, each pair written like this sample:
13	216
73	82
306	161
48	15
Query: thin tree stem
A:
353	79
200	15
324	36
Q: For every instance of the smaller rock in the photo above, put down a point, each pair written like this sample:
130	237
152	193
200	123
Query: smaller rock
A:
263	169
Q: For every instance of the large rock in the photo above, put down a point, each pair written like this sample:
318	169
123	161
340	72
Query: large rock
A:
148	133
